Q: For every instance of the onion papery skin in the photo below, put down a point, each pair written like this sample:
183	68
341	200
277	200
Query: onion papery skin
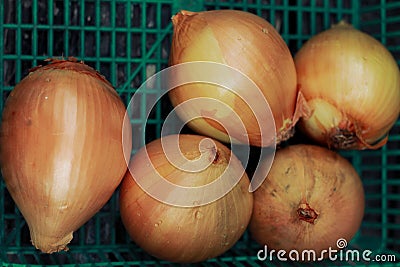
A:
184	234
249	44
307	180
351	84
61	149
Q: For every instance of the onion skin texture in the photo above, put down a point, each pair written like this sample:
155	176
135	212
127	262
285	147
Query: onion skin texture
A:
351	84
249	44
311	197
61	149
184	234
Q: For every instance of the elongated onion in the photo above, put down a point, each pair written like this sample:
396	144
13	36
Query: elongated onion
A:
61	150
195	231
352	85
249	44
311	198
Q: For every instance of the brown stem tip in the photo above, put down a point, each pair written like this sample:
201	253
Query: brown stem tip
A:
306	213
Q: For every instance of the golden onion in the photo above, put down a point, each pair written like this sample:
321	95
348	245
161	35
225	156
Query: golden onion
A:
191	232
311	198
61	150
249	44
351	84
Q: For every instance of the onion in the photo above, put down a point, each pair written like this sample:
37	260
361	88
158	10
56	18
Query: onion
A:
352	86
61	150
311	198
253	47
190	232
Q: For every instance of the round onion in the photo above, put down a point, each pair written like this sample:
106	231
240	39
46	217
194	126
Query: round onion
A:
311	198
190	233
61	149
352	86
250	45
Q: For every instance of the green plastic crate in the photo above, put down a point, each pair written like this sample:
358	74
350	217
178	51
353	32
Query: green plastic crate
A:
128	41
